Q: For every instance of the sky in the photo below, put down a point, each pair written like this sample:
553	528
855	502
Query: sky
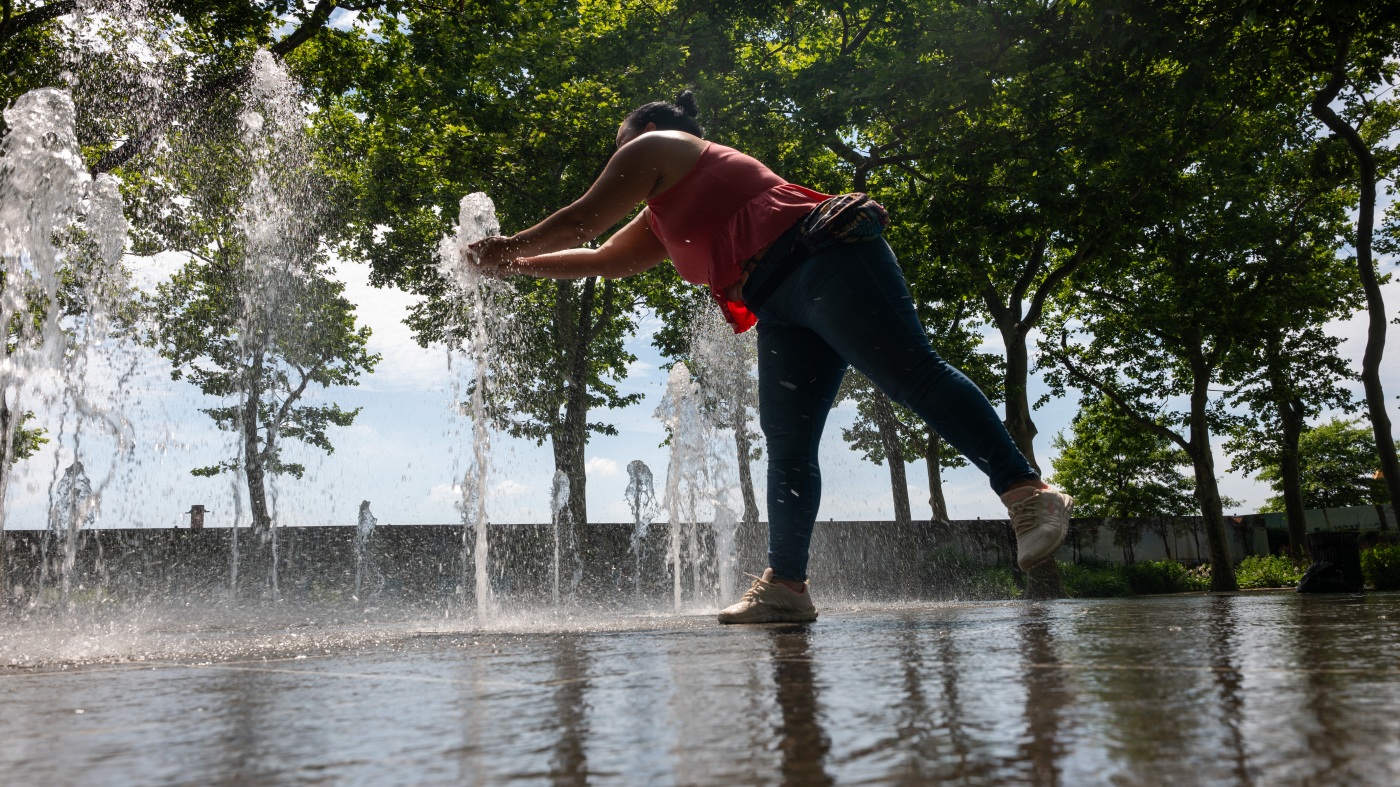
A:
406	452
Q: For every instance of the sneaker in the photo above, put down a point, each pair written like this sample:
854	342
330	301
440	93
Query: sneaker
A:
770	602
1040	518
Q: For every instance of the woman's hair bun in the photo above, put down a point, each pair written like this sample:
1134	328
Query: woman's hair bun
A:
686	102
679	116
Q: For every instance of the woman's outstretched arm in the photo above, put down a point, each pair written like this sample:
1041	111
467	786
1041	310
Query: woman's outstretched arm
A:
630	250
629	178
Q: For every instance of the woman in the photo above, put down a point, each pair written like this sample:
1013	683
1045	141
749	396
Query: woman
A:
825	291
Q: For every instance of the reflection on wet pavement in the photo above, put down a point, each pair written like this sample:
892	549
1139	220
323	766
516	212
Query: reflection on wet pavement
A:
1271	688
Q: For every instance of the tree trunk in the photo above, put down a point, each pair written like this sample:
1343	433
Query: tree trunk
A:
745	451
1043	581
1018	406
1222	565
253	459
573	322
258	553
1366	269
894	456
933	457
1290	416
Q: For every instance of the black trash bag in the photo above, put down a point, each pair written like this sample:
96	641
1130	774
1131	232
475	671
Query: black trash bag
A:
1325	577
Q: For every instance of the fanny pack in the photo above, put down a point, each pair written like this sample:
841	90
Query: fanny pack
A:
846	218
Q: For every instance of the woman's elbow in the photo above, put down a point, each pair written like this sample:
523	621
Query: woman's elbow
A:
583	225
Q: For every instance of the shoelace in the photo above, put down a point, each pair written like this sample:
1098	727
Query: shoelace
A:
1023	514
752	593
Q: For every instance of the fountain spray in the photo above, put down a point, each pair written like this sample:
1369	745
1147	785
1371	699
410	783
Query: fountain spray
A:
641	498
476	219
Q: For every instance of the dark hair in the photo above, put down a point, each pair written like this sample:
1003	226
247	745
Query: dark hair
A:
679	116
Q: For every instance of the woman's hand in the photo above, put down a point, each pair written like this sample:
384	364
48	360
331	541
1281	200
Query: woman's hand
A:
494	256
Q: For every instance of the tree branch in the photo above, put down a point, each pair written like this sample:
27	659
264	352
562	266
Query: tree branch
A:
1117	398
1023	282
12	26
306	30
292	397
1053	280
199	95
854	43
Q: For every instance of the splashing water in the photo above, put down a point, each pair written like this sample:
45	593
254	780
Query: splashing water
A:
278	225
724	366
476	219
687	473
559	517
641	498
72	511
364	531
46	195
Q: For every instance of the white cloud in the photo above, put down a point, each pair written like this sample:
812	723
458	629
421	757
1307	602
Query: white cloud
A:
342	20
404	365
510	488
445	493
640	369
600	467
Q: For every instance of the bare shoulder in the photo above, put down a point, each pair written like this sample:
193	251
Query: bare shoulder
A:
668	154
664	150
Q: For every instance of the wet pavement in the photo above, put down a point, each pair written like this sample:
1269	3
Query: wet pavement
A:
1269	688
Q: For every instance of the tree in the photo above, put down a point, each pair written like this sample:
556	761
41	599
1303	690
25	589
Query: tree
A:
254	316
266	365
1347	52
1297	377
1340	467
1115	468
1201	298
880	433
1295	369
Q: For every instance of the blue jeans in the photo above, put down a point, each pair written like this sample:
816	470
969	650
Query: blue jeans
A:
849	305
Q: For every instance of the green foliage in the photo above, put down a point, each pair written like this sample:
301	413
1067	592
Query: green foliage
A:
1339	467
1268	571
1380	565
959	576
27	441
204	331
1161	576
1113	467
1090	581
991	583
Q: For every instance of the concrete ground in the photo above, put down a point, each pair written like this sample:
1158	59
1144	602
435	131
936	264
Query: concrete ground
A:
1269	688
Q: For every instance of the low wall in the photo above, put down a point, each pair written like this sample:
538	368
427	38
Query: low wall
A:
432	562
852	560
1109	540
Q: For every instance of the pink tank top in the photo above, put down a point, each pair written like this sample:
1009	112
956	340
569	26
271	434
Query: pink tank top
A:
724	211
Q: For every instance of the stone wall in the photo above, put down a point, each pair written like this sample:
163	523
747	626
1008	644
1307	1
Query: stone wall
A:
850	560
